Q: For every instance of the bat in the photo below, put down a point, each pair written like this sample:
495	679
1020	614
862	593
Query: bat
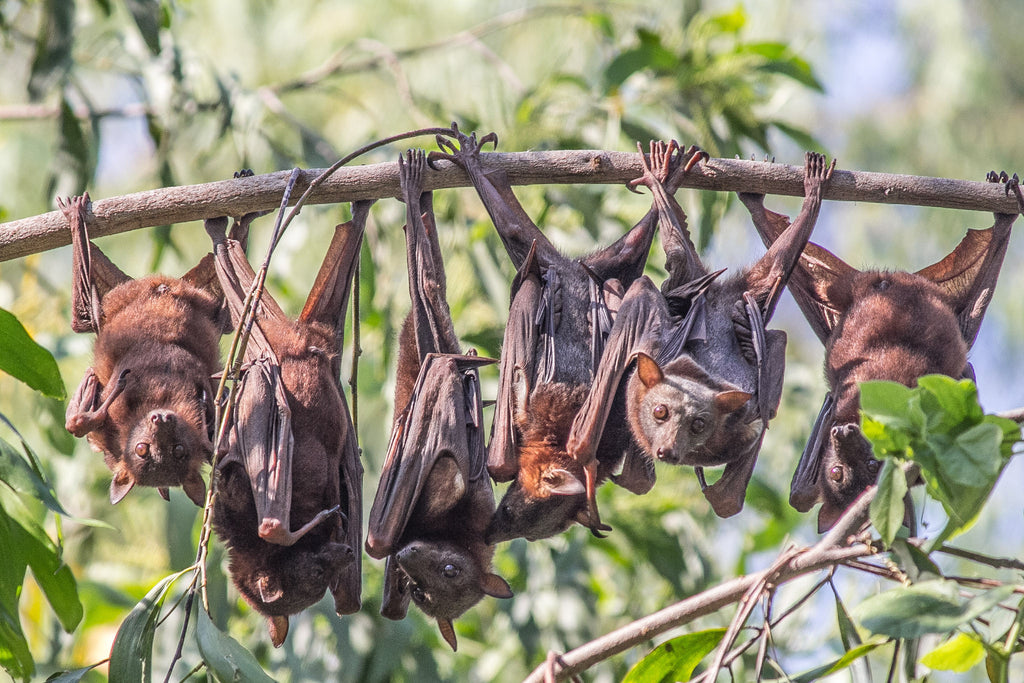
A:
561	312
289	501
875	324
434	498
703	375
146	403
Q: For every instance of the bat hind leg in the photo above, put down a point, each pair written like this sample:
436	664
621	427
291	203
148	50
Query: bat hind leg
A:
82	423
593	515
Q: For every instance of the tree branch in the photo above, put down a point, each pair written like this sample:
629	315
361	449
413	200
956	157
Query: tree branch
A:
257	193
831	550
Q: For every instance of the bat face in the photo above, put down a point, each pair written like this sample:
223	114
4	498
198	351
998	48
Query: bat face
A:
539	514
445	579
848	468
164	447
678	419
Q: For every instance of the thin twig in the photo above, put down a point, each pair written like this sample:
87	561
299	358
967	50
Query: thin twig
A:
258	193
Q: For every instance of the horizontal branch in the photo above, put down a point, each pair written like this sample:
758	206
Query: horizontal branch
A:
234	197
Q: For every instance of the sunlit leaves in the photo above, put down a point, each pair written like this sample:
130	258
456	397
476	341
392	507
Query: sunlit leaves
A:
225	658
131	657
959	654
675	660
940	427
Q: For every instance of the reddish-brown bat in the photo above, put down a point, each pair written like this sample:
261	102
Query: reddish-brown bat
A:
708	375
289	502
560	314
875	324
146	402
434	499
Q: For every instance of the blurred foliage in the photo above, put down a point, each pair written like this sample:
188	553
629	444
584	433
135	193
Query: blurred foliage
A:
121	97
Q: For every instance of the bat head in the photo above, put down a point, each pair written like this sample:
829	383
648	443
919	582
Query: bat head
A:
548	492
847	469
280	581
446	579
163	448
679	415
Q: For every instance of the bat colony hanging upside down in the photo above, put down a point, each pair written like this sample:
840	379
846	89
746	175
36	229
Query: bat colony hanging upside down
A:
289	502
146	403
434	499
890	325
560	313
708	376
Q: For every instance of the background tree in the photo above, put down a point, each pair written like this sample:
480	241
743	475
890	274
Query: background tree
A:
122	97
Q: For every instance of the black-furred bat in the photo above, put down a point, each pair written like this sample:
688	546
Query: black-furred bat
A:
289	502
875	324
561	312
708	375
146	403
434	499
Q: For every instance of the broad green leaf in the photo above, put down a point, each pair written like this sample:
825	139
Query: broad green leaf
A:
44	557
914	561
131	656
225	658
15	657
72	676
960	653
675	660
949	401
887	402
974	458
926	607
54	41
887	509
838	665
729	22
23	359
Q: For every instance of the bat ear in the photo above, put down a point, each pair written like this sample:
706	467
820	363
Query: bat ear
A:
495	586
194	488
520	394
828	515
728	401
164	492
448	632
648	370
278	628
121	484
559	481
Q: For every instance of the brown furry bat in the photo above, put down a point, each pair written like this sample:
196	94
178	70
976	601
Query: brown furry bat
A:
708	375
146	402
560	314
289	495
434	499
876	324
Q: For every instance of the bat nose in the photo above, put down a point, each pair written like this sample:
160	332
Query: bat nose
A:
666	454
158	416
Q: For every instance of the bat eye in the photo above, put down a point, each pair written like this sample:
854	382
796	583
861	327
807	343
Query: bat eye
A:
450	571
179	450
418	595
873	466
836	474
661	412
142	449
698	424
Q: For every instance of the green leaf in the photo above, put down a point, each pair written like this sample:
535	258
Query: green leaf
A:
148	17
52	59
15	657
949	401
675	660
847	629
131	656
914	561
23	359
20	476
71	676
887	509
838	665
226	659
926	607
729	22
960	653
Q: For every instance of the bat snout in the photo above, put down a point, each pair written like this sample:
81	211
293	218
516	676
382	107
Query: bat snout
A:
163	417
667	454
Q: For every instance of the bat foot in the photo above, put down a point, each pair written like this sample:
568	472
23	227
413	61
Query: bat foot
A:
74	207
410	174
658	164
463	148
816	171
552	665
1010	184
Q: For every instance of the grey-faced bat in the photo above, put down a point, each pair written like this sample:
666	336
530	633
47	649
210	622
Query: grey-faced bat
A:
434	499
289	502
146	402
708	375
875	324
560	314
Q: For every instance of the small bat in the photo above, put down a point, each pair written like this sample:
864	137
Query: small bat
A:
708	375
560	314
289	502
434	499
891	325
146	403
